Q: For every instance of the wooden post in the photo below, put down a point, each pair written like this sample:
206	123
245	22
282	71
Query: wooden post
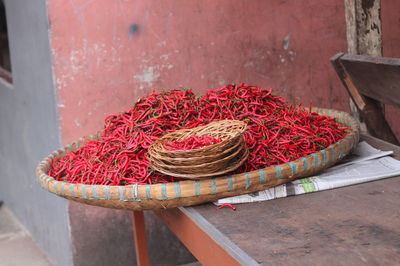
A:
363	27
139	235
363	31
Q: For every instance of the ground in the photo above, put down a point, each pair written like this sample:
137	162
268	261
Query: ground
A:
16	246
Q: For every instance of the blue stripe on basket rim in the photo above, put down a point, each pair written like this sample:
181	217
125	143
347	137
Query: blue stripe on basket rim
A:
213	186
230	183
83	189
316	160
177	187
71	190
135	196
293	167
121	193
247	176
278	173
333	151
305	163
148	193
62	188
325	156
197	187
262	176
341	154
94	192
335	114
55	186
107	190
163	191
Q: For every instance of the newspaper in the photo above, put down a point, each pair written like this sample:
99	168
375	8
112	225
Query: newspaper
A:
364	164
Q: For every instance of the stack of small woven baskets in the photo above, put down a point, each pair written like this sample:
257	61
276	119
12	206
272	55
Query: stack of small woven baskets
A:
212	160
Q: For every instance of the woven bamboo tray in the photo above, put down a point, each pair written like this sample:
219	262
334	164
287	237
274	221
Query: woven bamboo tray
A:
189	192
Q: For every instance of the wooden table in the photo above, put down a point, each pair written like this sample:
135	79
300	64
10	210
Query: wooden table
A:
354	225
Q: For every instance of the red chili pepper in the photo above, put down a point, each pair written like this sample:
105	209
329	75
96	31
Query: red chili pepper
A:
190	143
277	132
227	205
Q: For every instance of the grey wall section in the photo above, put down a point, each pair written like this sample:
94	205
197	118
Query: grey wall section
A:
29	130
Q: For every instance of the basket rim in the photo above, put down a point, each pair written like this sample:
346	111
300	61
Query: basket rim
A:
131	196
226	141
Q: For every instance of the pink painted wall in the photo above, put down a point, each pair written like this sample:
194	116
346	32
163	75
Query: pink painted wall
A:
109	53
391	48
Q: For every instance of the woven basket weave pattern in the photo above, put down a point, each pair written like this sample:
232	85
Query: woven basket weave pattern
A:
212	160
205	158
186	193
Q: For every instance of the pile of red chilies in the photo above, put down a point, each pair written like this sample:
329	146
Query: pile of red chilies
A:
277	132
191	143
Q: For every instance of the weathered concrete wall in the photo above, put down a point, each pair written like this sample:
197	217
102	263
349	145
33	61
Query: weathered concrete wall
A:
29	130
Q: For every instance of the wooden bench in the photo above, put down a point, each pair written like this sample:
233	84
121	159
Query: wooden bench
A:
371	82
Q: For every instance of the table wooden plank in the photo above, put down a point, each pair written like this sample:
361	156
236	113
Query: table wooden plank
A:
139	235
352	225
206	243
357	228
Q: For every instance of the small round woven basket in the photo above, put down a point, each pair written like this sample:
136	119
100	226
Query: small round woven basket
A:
192	192
212	160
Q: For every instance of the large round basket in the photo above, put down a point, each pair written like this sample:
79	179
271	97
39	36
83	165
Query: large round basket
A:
191	192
